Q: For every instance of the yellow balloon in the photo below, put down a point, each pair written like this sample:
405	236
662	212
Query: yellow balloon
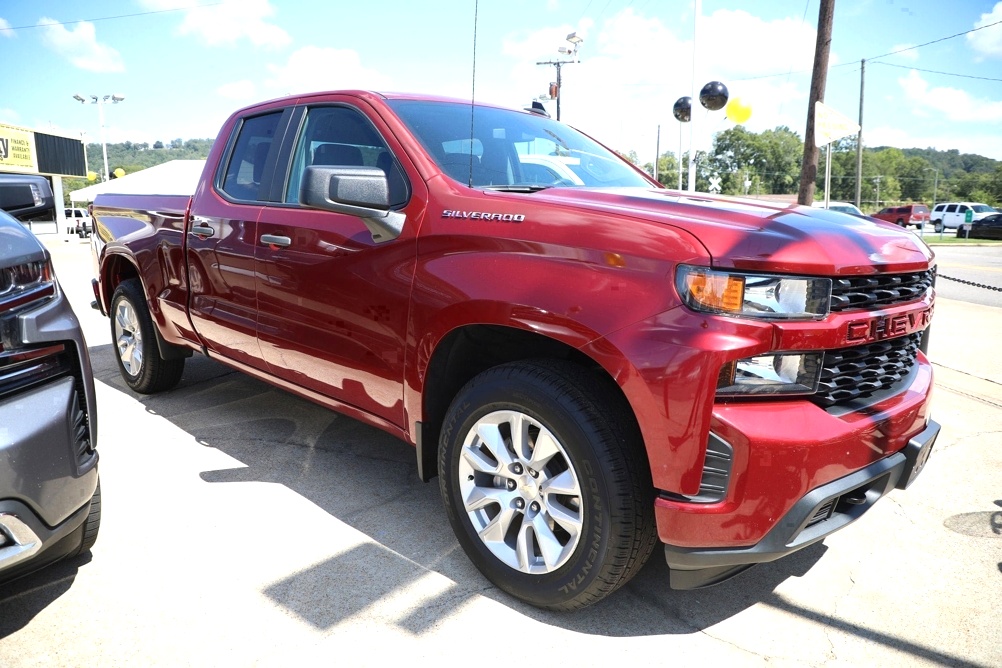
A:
91	176
119	173
738	111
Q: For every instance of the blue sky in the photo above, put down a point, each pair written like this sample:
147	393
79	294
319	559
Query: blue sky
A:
184	68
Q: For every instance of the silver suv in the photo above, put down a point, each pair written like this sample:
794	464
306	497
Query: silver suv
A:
50	495
951	215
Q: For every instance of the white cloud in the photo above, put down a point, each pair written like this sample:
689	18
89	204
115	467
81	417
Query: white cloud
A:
911	53
226	23
988	42
633	68
9	116
951	104
314	68
5	30
80	46
244	90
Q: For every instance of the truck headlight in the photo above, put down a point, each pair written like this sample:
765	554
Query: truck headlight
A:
782	373
754	295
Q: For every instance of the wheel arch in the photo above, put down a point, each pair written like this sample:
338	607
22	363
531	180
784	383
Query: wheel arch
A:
468	350
117	269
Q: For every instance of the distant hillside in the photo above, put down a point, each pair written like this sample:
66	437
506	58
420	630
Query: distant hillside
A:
134	157
952	162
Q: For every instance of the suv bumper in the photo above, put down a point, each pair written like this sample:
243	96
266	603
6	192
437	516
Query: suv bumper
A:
817	514
48	461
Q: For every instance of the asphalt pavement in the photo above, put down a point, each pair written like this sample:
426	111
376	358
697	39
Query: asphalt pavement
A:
243	526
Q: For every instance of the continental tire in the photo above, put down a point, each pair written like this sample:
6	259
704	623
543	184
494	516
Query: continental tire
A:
546	484
134	338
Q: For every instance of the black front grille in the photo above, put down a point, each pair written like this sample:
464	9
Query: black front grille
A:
861	292
857	372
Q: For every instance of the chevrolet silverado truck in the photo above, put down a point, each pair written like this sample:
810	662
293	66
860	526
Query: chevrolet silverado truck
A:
590	364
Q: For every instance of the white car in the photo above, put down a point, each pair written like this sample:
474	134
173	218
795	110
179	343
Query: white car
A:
549	170
951	215
841	207
78	222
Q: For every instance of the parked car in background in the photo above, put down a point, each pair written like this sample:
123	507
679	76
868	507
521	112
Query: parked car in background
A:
951	215
841	207
78	222
989	227
905	215
27	197
50	496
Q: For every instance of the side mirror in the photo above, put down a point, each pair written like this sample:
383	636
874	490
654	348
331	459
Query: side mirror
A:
356	191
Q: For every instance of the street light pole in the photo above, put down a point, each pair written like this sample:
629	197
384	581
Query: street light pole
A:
100	102
570	51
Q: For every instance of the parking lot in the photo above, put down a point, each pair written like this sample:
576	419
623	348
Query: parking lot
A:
245	526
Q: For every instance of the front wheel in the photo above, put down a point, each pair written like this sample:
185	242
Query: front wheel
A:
937	225
546	484
134	336
93	522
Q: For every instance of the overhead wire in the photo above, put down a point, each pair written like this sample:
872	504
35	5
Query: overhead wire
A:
110	18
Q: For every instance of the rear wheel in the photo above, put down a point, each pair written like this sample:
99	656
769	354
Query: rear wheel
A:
900	222
937	225
134	336
546	484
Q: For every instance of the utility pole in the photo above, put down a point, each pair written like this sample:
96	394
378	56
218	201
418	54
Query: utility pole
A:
571	51
877	179
859	136
809	166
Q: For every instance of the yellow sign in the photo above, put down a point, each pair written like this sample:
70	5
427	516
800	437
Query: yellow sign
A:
17	149
830	125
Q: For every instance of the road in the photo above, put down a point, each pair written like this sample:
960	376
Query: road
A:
243	526
976	264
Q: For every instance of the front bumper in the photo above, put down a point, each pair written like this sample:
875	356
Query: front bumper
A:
48	433
817	514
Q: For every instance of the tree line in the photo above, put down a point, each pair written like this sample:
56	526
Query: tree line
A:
768	163
747	163
133	157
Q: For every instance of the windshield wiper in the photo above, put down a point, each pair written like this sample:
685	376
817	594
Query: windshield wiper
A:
518	188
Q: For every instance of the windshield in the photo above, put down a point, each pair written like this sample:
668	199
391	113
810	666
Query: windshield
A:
511	150
982	208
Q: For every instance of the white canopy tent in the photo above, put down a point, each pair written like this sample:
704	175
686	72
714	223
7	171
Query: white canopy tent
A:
177	177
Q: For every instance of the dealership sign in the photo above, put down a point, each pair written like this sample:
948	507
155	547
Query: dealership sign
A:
17	149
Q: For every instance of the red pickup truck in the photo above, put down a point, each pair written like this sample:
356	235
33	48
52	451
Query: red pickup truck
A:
588	362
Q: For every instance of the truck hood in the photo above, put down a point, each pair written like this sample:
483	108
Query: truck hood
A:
759	236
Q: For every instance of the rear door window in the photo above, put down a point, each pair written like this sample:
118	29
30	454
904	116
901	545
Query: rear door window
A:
951	209
245	168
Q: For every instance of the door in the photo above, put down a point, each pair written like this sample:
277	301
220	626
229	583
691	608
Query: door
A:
332	303
222	238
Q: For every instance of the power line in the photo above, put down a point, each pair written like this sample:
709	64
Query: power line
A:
110	18
856	62
941	39
949	74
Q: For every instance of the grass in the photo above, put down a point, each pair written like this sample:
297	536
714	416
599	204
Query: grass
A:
950	238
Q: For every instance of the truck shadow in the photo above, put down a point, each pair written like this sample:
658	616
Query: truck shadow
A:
367	479
22	599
